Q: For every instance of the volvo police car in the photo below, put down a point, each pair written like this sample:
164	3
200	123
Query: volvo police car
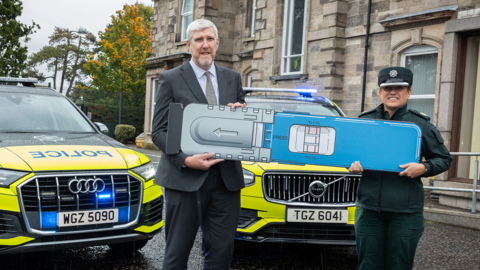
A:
63	182
289	203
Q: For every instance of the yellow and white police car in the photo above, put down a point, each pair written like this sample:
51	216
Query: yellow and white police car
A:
63	183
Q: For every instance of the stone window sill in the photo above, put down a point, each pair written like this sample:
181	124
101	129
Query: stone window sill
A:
181	43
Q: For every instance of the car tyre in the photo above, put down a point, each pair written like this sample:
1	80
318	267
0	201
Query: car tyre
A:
129	246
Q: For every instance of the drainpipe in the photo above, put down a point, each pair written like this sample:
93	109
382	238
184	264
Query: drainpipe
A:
364	88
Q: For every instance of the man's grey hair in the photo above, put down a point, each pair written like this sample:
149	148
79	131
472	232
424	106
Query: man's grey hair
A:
199	25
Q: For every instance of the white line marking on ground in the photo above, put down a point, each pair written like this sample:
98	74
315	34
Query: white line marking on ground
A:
152	155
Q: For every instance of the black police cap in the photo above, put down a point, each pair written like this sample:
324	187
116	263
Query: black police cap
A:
395	76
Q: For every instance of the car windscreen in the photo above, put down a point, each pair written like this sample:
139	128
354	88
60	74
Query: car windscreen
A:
294	106
22	112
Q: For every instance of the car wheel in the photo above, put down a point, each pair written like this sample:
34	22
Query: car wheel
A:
129	246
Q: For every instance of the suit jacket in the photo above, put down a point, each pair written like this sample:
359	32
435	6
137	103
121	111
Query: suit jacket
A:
180	85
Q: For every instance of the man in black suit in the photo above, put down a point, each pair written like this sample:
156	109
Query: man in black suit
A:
199	190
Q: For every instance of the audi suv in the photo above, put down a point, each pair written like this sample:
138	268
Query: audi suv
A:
297	203
63	182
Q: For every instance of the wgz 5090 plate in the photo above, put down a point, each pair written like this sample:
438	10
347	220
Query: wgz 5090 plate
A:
317	215
78	218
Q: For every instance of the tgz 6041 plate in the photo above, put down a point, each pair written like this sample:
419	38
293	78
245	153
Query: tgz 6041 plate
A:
317	215
79	218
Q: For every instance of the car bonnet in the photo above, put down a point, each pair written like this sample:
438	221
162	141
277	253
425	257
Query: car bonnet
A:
64	152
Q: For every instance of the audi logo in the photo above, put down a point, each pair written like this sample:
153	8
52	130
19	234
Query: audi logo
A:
90	185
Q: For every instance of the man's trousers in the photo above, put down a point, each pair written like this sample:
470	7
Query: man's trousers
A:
214	209
387	240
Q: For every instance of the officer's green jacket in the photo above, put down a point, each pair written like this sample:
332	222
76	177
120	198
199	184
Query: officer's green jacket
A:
390	192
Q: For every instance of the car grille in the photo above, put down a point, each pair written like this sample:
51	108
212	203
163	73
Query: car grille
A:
8	224
282	187
152	213
327	232
51	194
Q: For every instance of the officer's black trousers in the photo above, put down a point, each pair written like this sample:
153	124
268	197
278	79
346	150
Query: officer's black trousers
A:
387	240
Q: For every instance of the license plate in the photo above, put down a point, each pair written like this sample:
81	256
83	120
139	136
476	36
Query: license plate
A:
78	218
317	215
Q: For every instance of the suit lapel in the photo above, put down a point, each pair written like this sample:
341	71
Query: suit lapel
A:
222	85
192	82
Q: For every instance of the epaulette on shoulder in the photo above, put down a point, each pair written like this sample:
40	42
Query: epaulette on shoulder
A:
423	115
367	112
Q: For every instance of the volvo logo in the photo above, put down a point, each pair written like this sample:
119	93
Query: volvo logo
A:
317	189
89	185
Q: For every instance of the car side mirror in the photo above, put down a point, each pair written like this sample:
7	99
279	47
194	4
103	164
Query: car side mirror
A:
102	127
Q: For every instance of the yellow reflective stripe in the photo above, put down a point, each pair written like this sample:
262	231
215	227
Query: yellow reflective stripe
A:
9	203
149	229
351	215
6	191
13	187
15	241
151	193
255	227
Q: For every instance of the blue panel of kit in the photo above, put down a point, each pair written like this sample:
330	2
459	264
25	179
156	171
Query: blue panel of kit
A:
377	144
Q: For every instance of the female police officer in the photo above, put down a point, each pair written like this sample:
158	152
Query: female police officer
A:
389	214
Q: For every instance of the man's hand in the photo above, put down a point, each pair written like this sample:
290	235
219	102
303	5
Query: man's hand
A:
237	104
201	162
355	167
413	169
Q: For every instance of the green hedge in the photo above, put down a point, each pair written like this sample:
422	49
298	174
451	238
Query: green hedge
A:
108	114
125	133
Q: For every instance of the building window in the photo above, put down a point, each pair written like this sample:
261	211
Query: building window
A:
422	60
293	36
249	79
254	9
187	15
468	126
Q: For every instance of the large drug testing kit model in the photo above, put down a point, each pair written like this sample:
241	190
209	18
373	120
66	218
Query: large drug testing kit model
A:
263	135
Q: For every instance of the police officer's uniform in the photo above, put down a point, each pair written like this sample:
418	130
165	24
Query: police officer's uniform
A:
389	215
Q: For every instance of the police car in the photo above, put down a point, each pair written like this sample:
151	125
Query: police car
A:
63	182
284	203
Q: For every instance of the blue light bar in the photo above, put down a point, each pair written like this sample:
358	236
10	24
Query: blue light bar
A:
296	90
104	196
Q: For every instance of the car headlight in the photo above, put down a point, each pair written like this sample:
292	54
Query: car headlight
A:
8	177
248	177
146	171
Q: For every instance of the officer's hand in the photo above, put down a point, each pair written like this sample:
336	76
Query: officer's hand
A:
201	162
237	104
356	167
413	170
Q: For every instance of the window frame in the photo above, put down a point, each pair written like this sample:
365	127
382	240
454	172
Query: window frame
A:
183	15
287	41
419	50
254	19
249	79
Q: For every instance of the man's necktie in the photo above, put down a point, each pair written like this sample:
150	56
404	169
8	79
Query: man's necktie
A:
211	97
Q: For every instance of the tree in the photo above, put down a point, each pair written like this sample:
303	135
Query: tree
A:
66	53
13	54
125	46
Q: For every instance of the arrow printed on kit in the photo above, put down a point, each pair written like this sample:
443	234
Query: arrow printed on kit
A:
219	132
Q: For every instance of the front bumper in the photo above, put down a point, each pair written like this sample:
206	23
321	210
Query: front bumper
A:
19	240
55	245
343	235
264	221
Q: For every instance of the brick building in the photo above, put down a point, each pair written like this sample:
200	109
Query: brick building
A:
320	44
